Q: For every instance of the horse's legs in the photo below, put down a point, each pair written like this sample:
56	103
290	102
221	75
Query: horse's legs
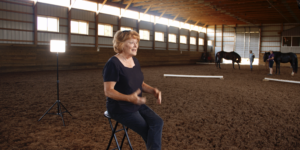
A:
233	64
239	66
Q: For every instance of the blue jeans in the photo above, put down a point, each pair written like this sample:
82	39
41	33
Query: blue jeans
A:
146	123
251	61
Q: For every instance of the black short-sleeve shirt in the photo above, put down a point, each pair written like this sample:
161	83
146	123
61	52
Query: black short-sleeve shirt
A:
128	80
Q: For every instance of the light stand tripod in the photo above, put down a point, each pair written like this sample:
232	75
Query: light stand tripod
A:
59	104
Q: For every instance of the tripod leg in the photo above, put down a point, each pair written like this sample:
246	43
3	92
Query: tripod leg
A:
47	111
65	108
60	113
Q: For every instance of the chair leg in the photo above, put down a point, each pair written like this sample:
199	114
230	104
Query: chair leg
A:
126	130
113	135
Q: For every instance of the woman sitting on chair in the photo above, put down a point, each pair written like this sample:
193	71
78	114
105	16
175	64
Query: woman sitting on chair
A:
123	86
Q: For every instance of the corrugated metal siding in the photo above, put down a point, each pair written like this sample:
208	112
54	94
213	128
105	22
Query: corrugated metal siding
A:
275	49
173	45
270	39
15	7
184	32
193	33
173	30
254	44
82	15
16	16
160	45
46	37
201	48
91	25
92	32
218	44
183	47
63	21
270	33
160	28
227	29
239	45
286	49
231	39
286	27
292	32
51	10
109	19
16	35
82	39
63	29
146	43
105	40
146	25
271	28
270	44
201	35
128	22
22	2
16	25
193	48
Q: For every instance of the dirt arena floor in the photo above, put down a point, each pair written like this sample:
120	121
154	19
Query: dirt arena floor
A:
239	112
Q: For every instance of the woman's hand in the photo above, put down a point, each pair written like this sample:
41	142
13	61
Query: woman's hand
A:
157	95
135	99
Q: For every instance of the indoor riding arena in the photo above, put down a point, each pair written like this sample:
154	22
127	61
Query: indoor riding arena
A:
52	55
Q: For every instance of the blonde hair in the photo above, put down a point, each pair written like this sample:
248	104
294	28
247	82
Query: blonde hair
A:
122	36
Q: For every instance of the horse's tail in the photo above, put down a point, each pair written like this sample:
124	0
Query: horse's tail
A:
239	59
296	65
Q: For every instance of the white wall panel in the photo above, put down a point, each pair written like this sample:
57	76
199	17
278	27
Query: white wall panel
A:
229	34
92	32
52	10
183	47
210	34
146	25
266	49
295	49
231	39
82	39
218	43
128	22
105	40
228	43
83	45
270	44
109	19
160	28
16	16
254	44
63	29
77	14
219	38
15	7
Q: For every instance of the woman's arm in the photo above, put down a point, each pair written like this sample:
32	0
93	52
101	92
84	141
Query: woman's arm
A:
110	92
148	89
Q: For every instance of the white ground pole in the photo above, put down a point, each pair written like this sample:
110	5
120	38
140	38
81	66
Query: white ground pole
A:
192	76
280	80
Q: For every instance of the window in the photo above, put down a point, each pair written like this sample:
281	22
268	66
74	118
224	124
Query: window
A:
106	9
296	41
183	39
162	20
209	42
146	17
172	38
193	40
65	3
159	36
130	14
86	5
144	34
48	23
174	23
79	27
105	30
201	41
286	41
125	28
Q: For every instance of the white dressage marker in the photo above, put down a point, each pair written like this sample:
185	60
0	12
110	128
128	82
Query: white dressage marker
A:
192	76
280	80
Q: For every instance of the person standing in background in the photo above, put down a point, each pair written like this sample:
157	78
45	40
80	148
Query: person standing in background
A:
251	58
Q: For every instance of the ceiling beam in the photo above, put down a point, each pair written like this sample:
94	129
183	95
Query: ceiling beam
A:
278	10
126	8
102	5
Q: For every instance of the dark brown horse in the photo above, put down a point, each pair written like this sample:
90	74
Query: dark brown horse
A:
284	58
235	57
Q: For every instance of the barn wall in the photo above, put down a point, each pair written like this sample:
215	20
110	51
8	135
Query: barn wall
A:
37	58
